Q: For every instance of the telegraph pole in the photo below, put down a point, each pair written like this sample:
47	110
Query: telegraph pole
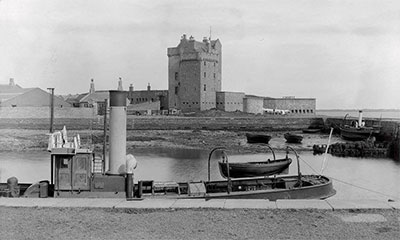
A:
51	109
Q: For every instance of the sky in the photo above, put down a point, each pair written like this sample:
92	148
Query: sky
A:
346	54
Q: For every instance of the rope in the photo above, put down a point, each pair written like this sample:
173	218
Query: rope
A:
350	184
363	188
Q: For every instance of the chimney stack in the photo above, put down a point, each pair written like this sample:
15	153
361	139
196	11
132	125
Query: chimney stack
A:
92	90
131	88
12	83
120	85
148	87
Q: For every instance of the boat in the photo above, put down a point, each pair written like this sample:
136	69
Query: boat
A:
293	138
254	168
357	131
311	130
268	187
257	138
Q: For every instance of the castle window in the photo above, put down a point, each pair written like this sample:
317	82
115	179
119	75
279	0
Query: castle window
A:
205	86
205	63
176	75
204	74
311	111
176	90
214	75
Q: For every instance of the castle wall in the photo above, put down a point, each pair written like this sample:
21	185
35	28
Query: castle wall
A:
230	101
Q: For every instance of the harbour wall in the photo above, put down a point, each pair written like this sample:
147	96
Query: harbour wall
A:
257	123
168	123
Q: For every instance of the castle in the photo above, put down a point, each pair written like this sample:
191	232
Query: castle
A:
194	83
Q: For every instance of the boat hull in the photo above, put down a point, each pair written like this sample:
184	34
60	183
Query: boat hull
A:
254	169
292	138
322	190
258	138
357	134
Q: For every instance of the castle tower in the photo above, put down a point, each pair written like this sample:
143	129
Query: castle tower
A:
194	74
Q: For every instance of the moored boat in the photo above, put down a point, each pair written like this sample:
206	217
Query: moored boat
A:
272	188
293	138
258	138
357	131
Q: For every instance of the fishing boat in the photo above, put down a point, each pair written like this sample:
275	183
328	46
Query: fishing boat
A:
254	168
357	131
257	138
293	138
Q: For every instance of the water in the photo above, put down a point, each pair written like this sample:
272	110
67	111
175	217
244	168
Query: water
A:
368	113
376	175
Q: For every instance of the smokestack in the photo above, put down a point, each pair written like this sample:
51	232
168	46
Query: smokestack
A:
131	88
148	87
117	157
360	118
12	83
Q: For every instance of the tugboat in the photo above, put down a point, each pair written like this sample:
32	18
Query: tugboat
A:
357	131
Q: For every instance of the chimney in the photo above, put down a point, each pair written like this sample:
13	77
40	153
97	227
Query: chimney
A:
131	88
117	150
92	90
120	85
12	83
205	40
148	87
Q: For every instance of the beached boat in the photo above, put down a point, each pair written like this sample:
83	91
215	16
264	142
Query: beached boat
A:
311	130
254	168
257	138
293	138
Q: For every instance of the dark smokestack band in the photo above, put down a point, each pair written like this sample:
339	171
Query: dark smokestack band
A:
118	98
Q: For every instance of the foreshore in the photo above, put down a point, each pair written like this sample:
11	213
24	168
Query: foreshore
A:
197	219
234	141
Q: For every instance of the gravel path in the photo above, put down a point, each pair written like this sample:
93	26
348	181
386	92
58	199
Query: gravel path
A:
69	223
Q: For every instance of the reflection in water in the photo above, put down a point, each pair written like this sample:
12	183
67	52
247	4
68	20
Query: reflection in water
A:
381	175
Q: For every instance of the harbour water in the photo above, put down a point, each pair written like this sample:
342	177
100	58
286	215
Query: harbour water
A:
368	113
354	178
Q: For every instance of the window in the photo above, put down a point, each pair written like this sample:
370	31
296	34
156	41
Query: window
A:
205	74
214	75
205	86
176	75
176	90
214	64
205	63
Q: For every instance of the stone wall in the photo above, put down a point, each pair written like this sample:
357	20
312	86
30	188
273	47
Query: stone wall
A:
44	112
253	105
168	123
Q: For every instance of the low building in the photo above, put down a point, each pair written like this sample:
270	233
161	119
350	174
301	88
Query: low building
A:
13	95
148	96
291	105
